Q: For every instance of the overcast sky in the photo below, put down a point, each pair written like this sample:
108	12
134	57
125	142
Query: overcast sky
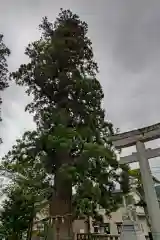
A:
126	43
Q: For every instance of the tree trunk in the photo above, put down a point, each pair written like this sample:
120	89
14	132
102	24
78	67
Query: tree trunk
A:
61	207
29	231
49	233
60	210
88	224
30	227
14	236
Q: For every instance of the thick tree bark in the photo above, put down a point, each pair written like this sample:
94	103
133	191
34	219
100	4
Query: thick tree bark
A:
61	207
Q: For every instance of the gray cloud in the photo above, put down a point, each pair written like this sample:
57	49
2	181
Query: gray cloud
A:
126	43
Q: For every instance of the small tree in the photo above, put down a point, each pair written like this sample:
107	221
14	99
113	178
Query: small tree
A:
74	135
30	186
19	212
16	214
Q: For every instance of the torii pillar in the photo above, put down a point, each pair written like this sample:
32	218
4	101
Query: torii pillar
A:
138	138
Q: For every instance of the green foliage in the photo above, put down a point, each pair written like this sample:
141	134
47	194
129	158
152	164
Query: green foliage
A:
135	174
30	186
73	135
17	213
61	75
4	53
124	179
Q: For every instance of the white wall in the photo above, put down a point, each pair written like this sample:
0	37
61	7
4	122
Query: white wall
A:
116	217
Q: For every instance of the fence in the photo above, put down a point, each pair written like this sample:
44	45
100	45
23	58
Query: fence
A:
92	236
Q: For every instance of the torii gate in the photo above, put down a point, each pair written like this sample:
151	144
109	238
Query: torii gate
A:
139	137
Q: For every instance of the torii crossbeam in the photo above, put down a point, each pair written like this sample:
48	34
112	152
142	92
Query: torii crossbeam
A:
139	137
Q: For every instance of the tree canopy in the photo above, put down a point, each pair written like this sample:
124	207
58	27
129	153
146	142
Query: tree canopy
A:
4	53
67	97
71	141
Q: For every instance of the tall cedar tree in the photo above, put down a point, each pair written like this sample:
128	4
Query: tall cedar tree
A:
4	53
61	77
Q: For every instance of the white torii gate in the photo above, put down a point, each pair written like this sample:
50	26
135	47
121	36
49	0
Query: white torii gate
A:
138	138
